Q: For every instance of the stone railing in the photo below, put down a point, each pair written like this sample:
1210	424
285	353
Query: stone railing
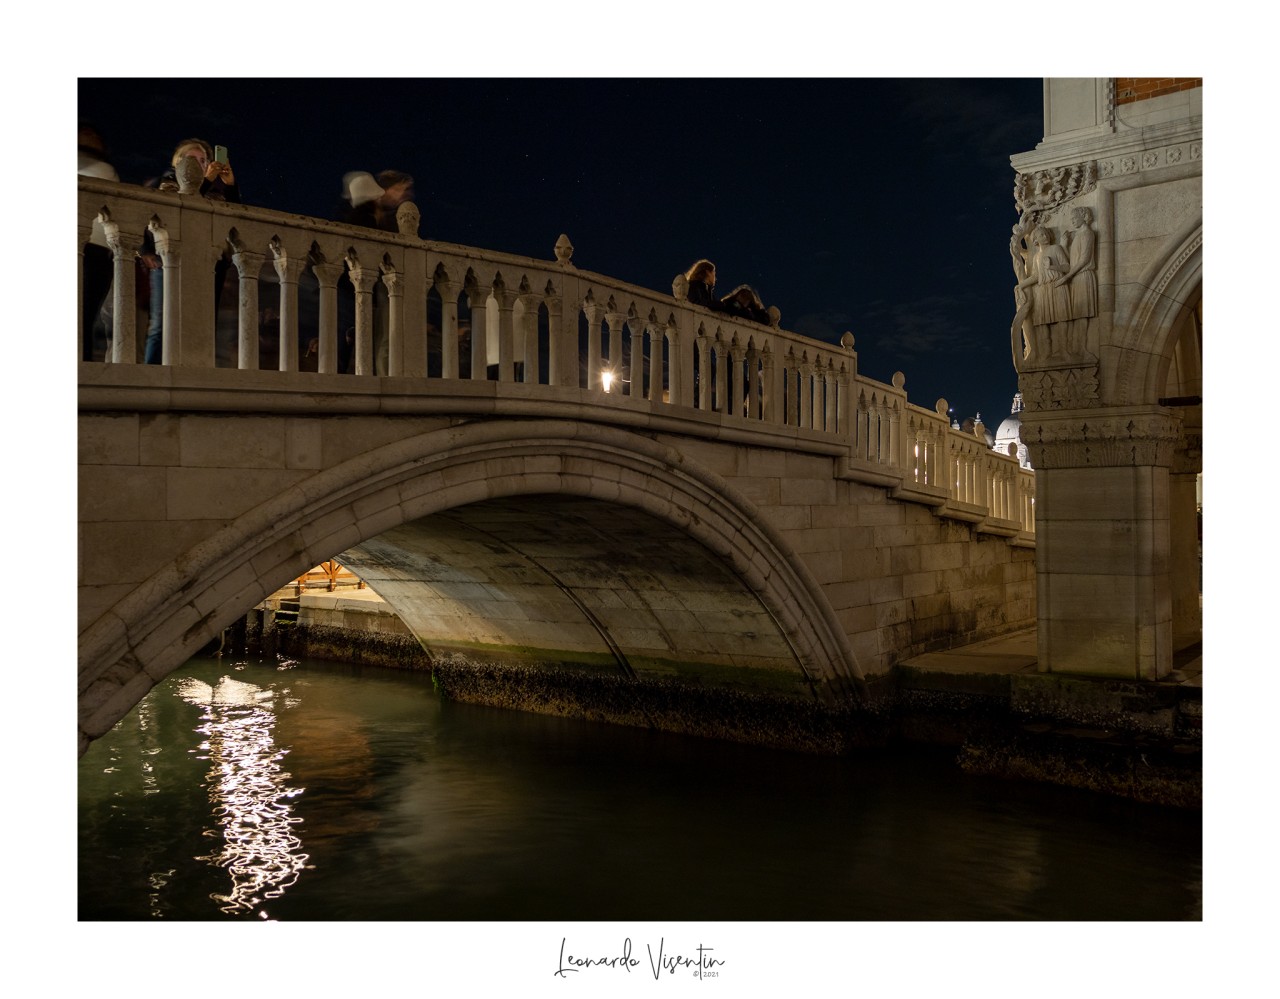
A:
511	319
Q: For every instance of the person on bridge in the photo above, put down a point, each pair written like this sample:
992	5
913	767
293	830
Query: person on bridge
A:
702	282
746	304
98	264
219	184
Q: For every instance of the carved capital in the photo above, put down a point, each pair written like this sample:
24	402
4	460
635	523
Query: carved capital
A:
248	263
393	281
1060	388
327	274
1044	190
1104	439
1187	456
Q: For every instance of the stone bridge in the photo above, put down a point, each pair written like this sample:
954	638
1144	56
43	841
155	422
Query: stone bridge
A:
734	504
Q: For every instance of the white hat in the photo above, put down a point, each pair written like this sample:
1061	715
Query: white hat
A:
361	188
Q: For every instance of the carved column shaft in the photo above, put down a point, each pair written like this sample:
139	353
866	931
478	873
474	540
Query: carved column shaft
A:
595	336
478	298
616	322
655	362
289	270
675	366
363	279
635	358
721	400
247	265
394	284
506	335
737	391
704	372
125	246
449	360
171	299
529	338
327	277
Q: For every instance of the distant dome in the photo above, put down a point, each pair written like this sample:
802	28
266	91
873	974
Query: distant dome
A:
1010	432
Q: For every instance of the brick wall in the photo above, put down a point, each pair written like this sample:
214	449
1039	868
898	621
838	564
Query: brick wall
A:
1138	88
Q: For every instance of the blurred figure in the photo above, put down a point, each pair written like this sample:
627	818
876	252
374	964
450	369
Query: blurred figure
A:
218	184
359	204
745	303
397	188
372	203
98	266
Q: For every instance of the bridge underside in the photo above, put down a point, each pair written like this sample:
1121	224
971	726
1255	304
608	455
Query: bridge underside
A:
570	580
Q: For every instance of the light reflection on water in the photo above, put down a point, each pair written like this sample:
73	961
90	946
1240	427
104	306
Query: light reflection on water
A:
396	806
260	850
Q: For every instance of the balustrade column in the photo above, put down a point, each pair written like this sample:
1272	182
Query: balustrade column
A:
394	283
327	276
704	372
248	264
635	359
888	432
770	411
829	385
844	396
793	389
167	251
616	321
364	279
506	335
125	246
656	335
720	403
289	270
478	299
681	363
738	391
529	337
595	334
449	361
562	345
807	396
753	383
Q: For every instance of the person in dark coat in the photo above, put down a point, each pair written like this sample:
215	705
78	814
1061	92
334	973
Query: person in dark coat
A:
746	304
702	282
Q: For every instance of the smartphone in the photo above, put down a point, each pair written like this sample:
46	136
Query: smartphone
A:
220	154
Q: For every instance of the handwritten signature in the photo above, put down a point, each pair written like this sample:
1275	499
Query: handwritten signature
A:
702	966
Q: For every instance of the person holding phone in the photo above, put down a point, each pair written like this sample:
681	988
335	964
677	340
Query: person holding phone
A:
219	184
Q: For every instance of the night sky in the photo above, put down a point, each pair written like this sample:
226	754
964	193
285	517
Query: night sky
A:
878	206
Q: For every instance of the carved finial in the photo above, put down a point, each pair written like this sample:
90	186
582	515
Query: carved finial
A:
408	218
941	407
680	288
899	380
189	175
846	341
564	249
775	316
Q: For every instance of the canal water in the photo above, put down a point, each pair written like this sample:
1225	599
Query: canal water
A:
289	790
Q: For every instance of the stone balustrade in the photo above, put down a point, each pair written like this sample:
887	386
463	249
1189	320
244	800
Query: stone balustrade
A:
535	323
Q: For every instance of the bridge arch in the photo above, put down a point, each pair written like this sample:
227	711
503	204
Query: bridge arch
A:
163	622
